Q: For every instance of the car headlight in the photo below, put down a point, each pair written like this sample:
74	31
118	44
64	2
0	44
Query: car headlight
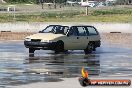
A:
27	39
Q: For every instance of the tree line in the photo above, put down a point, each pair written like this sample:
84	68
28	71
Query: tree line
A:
35	1
60	1
124	2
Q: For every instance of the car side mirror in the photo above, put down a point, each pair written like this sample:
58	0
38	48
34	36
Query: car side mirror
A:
67	34
40	31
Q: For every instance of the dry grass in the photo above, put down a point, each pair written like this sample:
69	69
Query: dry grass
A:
34	13
13	35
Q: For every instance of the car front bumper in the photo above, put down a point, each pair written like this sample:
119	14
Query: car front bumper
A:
40	45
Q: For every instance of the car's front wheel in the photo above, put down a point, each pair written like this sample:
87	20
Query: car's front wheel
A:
59	47
90	48
31	52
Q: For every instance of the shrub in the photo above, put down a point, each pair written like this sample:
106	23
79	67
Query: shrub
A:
110	12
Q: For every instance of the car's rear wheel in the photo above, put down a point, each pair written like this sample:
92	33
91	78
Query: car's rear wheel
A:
90	48
31	52
59	47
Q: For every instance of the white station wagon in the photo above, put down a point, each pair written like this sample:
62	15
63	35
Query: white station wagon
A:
63	38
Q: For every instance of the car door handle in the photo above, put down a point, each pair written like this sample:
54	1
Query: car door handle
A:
87	37
77	37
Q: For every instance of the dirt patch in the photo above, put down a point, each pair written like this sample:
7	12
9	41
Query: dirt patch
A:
124	39
14	35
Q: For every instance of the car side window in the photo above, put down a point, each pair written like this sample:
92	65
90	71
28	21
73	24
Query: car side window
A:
73	31
60	30
82	31
92	31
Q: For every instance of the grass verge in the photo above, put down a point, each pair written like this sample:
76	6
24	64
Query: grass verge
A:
111	15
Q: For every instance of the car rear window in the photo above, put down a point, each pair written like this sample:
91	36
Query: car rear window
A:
92	31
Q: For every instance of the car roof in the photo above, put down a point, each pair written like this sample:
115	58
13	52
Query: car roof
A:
79	25
54	25
59	25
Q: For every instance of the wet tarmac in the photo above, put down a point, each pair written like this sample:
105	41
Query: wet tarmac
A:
17	68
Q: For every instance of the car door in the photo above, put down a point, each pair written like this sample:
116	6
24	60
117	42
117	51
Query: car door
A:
82	37
72	40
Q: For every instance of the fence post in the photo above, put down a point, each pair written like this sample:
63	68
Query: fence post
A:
86	10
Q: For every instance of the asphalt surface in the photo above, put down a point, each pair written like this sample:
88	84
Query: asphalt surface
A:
17	68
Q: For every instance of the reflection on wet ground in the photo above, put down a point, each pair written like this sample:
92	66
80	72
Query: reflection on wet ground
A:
17	68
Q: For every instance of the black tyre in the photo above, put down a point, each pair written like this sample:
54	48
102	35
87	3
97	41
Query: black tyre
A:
31	52
89	48
66	51
59	47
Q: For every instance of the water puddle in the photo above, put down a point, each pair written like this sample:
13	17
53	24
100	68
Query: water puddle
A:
16	68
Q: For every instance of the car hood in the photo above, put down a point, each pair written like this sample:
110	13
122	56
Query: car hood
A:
45	36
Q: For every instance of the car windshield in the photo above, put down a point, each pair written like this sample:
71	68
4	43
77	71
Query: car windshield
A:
56	29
